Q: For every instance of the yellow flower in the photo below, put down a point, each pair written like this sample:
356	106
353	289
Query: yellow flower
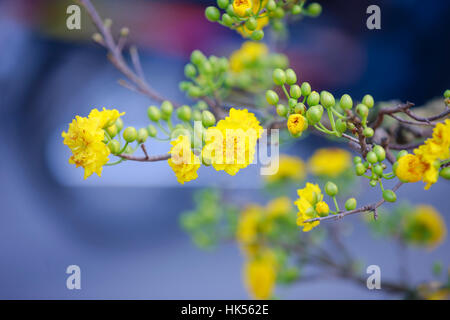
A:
297	124
322	208
241	6
278	207
247	229
425	226
183	161
289	168
309	201
260	275
410	168
106	117
442	294
85	139
249	53
329	162
231	144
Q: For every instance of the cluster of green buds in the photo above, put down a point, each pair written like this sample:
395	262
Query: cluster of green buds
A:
207	75
114	142
249	17
374	164
332	190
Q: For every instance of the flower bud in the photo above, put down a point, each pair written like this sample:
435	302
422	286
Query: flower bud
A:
184	113
282	110
257	35
208	119
119	124
401	154
327	99
154	114
271	5
341	126
372	157
447	93
389	195
291	77
350	204
190	71
378	169
197	57
380	152
223	4
279	77
445	173
296	9
314	114
272	97
362	110
368	132
292	103
152	132
313	99
112	131
142	135
331	189
166	109
196	115
251	23
295	91
346	102
114	146
212	13
194	91
360	169
227	20
300	108
357	160
314	9
373	183
306	89
279	13
368	101
130	134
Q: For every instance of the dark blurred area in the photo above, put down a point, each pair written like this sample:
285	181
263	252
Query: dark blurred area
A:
122	229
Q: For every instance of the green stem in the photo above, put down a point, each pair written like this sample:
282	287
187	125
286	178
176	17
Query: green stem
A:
114	163
337	113
286	92
331	117
123	149
162	129
336	204
325	129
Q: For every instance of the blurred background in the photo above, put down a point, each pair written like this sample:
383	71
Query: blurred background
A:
122	229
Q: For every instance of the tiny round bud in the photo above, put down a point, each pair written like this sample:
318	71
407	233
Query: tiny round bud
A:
401	154
447	93
97	37
313	99
331	189
306	89
378	169
295	91
389	195
130	134
368	132
350	204
223	4
190	71
282	110
124	32
197	57
112	131
230	10
251	23
279	13
108	23
314	9
212	13
327	99
380	152
272	97
194	92
154	114
346	102
196	115
445	173
119	124
142	135
357	160
291	77
227	20
300	108
373	183
372	157
151	129
114	146
279	77
184	113
271	5
296	9
257	35
292	103
208	119
341	126
362	110
166	109
360	169
368	101
314	114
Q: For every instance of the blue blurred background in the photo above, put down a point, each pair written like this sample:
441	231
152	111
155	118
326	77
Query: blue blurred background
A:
122	229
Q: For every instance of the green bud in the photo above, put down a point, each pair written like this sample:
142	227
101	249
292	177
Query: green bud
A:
197	57
291	77
142	135
189	70
112	130
130	134
279	77
292	103
313	99
445	173
314	114
296	9
114	146
368	132
389	195
380	152
360	169
194	92
447	93
357	160
341	126
327	99
166	109
185	85
346	102
227	20
271	5
196	115
208	119
223	4
184	113
295	91
282	110
331	189
257	35
300	108
154	114
350	126
151	129
212	14
314	9
272	97
373	183
350	204
372	157
306	89
251	23
119	124
368	101
378	169
401	154
279	13
362	110
230	10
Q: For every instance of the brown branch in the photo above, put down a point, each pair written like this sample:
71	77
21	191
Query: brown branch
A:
388	111
146	158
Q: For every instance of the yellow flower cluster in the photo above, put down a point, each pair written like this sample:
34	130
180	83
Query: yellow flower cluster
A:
85	138
330	162
310	204
183	161
296	124
289	169
425	226
425	162
260	273
249	53
241	6
231	144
